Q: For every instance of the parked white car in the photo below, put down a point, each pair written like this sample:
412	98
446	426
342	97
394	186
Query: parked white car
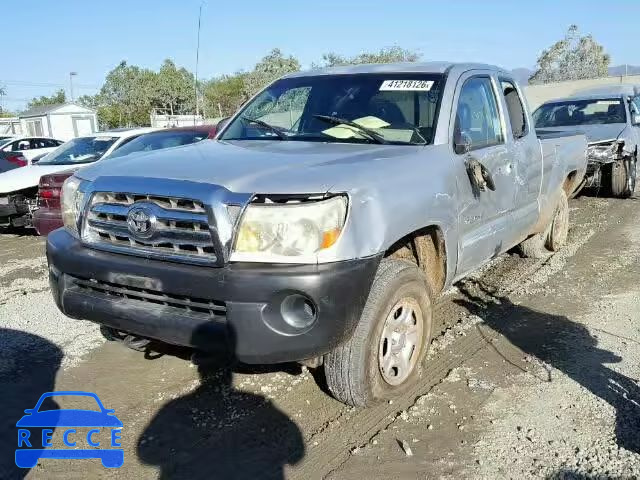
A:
19	187
29	147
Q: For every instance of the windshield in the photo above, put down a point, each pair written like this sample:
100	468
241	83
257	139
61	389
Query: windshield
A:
160	140
382	108
79	150
580	112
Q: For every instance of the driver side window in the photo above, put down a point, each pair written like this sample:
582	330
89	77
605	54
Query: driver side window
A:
477	116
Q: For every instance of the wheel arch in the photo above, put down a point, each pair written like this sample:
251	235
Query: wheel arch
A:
427	248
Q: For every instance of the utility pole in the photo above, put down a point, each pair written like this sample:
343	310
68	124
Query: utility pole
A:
195	82
71	75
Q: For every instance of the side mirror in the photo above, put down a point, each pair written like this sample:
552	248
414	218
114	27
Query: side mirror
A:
480	178
462	143
222	123
29	411
635	119
36	159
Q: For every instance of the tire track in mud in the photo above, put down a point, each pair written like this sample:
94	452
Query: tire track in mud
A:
329	448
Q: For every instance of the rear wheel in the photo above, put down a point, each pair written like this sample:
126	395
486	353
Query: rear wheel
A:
384	356
554	237
559	230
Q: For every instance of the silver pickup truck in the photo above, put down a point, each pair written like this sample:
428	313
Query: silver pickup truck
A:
321	223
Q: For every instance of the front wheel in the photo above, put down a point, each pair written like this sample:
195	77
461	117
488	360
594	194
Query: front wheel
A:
622	177
384	356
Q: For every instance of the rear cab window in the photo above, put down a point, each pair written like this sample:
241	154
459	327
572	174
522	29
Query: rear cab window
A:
515	109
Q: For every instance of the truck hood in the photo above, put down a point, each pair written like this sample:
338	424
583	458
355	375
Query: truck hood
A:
26	177
253	166
594	133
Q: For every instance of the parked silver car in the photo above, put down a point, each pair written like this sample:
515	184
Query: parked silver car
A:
610	118
321	223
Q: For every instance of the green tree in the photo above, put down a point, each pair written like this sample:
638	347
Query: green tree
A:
224	95
574	57
270	68
174	89
385	55
3	112
126	97
58	97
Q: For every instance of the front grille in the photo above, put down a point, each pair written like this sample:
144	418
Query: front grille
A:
212	308
180	227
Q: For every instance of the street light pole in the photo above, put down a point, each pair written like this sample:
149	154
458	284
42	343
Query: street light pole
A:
71	75
195	82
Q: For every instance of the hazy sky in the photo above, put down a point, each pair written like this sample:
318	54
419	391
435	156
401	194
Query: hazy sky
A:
47	39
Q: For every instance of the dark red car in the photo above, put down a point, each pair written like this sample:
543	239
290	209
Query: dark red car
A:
48	216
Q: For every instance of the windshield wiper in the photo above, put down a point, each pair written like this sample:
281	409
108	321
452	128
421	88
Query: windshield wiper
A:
273	129
376	137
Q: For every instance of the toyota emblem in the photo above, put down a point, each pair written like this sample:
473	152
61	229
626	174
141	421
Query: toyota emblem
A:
141	222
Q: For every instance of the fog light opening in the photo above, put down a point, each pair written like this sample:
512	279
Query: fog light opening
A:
298	311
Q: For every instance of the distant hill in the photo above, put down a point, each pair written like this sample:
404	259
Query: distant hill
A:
522	74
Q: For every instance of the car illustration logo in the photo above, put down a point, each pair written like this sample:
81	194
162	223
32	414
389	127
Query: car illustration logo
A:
141	222
75	427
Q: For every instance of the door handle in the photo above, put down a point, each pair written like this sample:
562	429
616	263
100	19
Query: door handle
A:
480	177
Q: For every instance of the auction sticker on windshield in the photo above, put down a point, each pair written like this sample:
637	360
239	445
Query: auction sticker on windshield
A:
407	85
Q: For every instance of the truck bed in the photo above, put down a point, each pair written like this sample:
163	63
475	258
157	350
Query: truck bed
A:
569	147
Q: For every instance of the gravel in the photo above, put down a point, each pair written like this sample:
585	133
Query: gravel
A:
26	305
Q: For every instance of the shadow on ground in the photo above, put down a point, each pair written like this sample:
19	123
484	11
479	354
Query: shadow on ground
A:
28	366
217	431
571	475
18	231
567	346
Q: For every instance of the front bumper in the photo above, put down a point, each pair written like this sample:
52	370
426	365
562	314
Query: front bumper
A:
241	307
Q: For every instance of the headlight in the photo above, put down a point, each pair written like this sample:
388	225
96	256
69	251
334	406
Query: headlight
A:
604	151
71	202
282	232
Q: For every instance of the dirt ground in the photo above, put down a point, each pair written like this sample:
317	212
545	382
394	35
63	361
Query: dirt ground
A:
533	373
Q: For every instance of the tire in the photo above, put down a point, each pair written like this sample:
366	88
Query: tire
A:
622	178
579	189
554	237
533	247
354	370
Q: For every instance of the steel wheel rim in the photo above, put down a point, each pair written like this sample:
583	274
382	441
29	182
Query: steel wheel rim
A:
401	341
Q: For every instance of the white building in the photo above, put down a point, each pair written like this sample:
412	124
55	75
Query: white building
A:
170	121
10	126
63	121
